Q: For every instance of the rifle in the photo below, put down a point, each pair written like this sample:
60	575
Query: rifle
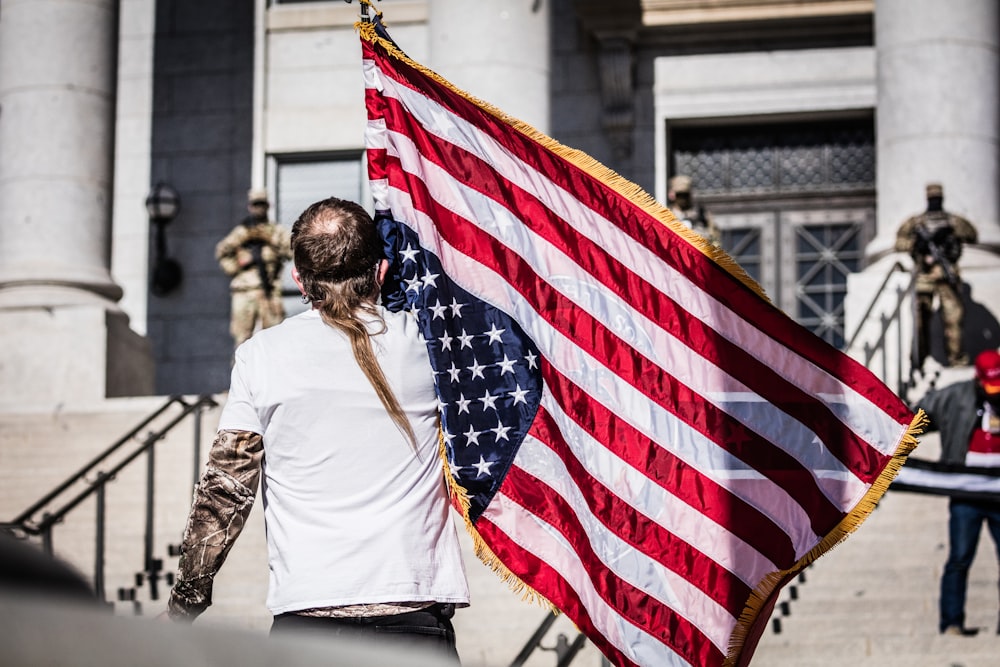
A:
254	245
935	252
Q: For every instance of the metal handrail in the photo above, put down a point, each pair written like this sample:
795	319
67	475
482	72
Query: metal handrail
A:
886	321
871	306
564	650
23	517
23	520
53	512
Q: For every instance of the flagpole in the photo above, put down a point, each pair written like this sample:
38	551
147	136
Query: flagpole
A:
364	9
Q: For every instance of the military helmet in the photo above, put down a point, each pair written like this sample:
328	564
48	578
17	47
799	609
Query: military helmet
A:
680	183
257	195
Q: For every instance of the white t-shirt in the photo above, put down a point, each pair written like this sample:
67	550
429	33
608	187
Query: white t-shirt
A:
353	516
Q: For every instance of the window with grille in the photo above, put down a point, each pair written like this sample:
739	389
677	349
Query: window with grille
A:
795	205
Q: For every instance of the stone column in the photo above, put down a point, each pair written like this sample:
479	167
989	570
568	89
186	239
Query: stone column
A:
938	117
61	336
497	50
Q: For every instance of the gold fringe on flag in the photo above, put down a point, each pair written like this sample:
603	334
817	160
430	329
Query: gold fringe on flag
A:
482	550
773	582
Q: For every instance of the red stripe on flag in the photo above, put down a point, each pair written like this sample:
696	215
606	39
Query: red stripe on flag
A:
643	534
537	574
633	604
672	474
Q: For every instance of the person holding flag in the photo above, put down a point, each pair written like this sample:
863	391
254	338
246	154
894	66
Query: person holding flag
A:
335	410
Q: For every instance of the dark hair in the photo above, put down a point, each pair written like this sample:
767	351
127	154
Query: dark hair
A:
337	250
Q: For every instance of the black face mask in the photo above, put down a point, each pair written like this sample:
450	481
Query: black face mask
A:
992	399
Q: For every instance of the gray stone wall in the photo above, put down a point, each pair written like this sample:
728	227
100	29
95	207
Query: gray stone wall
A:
575	87
201	145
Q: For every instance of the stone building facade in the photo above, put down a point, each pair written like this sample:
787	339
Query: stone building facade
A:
809	128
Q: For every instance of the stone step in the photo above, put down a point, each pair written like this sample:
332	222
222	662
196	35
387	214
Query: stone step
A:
39	451
869	602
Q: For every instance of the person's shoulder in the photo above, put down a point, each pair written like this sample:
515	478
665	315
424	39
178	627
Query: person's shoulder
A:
237	230
958	220
280	333
953	390
402	323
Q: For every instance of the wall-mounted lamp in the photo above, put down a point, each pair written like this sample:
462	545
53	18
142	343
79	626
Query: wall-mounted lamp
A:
162	205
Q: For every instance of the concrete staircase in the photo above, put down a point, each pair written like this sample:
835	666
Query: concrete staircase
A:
39	450
872	601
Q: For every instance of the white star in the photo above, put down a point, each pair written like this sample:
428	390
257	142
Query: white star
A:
413	284
409	255
430	279
477	370
453	469
472	436
456	307
446	341
453	372
489	401
462	403
506	366
483	467
441	406
438	310
465	340
494	334
530	358
501	431
448	437
519	395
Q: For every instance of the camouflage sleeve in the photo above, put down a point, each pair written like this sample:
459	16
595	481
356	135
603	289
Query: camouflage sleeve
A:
227	250
964	230
904	236
284	241
222	501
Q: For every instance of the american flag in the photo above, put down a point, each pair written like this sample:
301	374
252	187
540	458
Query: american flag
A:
631	429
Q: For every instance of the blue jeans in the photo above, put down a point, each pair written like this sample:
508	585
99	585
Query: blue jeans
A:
965	521
427	630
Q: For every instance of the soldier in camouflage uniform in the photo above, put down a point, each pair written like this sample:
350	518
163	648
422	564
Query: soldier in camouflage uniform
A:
681	204
934	239
253	254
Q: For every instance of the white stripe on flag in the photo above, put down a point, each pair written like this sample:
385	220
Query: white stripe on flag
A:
628	563
948	481
543	541
653	501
